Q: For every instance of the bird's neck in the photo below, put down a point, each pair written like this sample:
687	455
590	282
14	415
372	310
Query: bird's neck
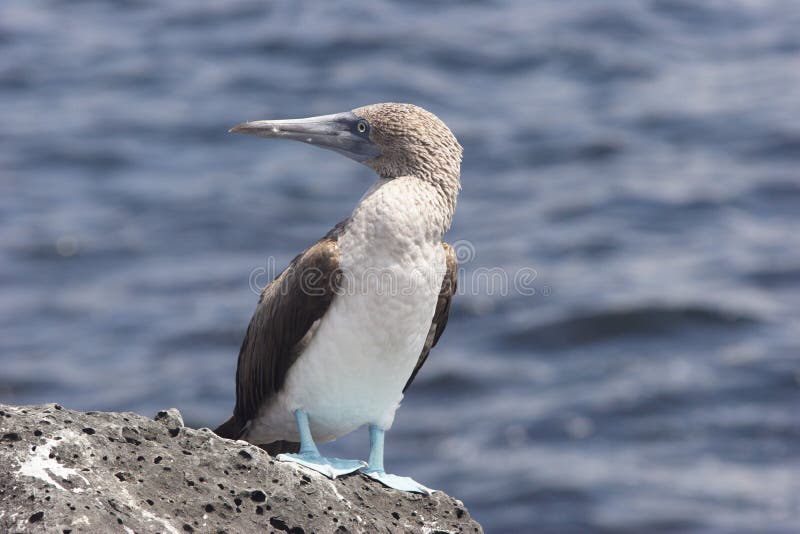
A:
404	209
436	167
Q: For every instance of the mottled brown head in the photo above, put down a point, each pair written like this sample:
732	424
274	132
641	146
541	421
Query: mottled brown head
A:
412	142
392	139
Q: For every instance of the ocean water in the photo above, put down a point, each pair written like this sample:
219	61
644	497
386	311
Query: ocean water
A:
624	353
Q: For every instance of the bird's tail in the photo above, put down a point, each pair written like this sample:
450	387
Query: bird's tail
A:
281	447
231	429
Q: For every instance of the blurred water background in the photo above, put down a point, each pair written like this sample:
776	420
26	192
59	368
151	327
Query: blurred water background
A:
641	156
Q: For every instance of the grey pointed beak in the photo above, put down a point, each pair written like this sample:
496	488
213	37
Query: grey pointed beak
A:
337	132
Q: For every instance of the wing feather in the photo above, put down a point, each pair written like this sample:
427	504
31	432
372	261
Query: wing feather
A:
283	323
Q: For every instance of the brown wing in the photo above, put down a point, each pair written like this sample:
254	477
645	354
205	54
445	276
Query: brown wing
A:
282	325
442	312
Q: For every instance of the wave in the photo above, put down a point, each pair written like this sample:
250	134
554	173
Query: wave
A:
649	321
775	278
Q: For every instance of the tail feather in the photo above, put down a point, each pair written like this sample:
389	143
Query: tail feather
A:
231	429
281	447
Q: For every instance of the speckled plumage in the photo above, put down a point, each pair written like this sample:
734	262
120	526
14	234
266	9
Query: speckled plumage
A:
416	143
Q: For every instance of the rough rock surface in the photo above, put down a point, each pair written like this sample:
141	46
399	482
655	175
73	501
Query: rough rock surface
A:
65	471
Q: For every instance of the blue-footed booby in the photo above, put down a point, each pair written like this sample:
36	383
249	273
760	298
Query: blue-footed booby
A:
340	334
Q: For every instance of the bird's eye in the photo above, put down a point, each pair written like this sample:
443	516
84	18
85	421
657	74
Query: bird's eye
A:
361	126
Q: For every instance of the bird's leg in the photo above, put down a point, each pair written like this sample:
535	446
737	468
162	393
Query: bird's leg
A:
310	457
375	468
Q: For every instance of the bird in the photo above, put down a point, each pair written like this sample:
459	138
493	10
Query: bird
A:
338	337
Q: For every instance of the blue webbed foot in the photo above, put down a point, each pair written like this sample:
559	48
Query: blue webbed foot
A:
375	469
310	457
397	482
330	467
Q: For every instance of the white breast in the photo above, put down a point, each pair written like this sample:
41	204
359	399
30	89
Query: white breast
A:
367	345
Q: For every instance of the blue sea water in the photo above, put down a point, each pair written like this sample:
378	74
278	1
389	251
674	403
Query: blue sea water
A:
641	158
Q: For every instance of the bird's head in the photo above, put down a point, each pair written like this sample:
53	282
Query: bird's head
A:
392	139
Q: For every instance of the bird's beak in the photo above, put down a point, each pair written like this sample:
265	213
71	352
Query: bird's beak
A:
337	132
